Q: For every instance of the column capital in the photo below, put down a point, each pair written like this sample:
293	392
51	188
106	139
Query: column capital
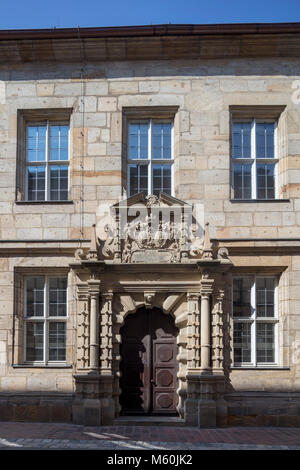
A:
206	284
193	296
82	291
220	294
94	287
107	296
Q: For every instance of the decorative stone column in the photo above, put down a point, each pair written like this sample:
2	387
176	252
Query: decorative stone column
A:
218	365
207	403
193	359
217	333
94	287
87	402
106	358
83	327
206	291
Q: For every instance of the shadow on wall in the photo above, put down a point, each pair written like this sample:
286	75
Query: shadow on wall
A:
36	406
185	68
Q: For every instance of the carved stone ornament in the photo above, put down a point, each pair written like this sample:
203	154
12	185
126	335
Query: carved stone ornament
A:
223	252
149	299
93	251
79	254
154	230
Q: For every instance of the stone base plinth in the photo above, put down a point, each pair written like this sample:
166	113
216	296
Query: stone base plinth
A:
36	406
205	406
93	404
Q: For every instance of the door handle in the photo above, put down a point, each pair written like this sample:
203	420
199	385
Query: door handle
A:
153	382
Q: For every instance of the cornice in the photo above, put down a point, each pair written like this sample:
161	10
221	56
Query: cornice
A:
150	43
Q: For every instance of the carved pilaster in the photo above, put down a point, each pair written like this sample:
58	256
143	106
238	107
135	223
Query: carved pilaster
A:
117	253
83	326
206	291
184	250
193	331
217	332
94	290
106	334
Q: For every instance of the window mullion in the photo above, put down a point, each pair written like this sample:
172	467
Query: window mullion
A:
46	315
47	183
276	156
253	156
139	177
150	183
253	326
25	321
276	325
172	164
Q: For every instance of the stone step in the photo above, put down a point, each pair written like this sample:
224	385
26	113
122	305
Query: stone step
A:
149	421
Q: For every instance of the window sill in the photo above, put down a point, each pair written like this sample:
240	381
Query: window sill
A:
254	201
42	366
42	202
275	367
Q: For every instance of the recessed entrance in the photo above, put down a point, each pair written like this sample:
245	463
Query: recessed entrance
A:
149	363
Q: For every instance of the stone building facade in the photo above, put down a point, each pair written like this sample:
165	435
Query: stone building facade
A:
101	316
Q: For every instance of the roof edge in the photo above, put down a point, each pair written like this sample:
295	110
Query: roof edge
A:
151	30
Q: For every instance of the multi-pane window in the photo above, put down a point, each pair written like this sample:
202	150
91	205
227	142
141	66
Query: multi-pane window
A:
47	161
254	160
45	314
150	157
255	320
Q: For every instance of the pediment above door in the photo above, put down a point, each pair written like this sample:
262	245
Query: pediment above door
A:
150	230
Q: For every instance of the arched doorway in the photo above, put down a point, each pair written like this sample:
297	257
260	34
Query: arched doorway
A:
148	363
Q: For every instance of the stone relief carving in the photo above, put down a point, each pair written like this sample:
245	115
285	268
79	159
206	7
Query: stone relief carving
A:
223	253
83	327
151	238
149	299
154	230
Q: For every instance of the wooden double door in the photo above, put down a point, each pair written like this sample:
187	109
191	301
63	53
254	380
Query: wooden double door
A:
148	363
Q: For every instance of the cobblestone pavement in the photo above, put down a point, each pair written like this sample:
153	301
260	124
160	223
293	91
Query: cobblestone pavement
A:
17	436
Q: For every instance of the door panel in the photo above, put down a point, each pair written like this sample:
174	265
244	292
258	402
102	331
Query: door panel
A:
165	377
148	366
135	353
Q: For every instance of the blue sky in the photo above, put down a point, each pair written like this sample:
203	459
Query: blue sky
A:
23	14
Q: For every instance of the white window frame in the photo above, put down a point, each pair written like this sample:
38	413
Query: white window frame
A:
253	320
151	161
45	319
254	161
47	162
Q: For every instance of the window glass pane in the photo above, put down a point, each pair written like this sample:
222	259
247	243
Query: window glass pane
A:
57	341
242	342
36	183
265	345
161	179
57	296
58	138
58	183
265	292
241	137
34	341
138	179
265	181
161	140
35	296
264	140
242	297
35	143
138	140
242	181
